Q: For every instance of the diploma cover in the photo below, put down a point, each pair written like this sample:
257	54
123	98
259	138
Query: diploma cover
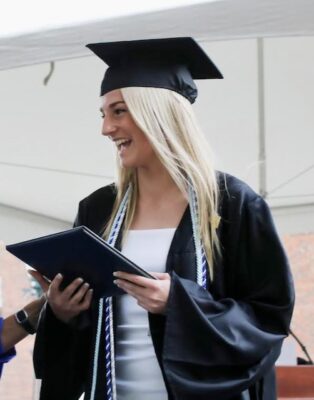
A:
77	252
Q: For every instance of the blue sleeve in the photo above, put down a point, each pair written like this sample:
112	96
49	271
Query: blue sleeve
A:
4	356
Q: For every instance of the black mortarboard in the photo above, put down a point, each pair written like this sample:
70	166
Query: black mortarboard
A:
170	63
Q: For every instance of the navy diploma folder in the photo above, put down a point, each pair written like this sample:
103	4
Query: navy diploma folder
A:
77	252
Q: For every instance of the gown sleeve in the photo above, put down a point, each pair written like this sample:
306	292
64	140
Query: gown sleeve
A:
215	348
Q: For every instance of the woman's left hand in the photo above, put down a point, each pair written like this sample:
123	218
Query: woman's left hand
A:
150	294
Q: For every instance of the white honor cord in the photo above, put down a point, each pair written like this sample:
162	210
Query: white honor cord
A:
113	366
109	335
201	262
96	353
110	362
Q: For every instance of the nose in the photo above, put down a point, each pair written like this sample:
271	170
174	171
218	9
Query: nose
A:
108	126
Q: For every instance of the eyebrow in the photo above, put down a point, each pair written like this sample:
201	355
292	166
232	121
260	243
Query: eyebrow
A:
112	105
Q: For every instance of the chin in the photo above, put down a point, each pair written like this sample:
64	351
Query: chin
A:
135	162
128	163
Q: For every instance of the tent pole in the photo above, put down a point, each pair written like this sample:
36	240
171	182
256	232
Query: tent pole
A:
261	118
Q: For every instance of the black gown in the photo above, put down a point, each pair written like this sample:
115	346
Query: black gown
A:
213	344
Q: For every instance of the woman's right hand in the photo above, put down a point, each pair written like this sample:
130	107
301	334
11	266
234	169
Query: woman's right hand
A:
69	302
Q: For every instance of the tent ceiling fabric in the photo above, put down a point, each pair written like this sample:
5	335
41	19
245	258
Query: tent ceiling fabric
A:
214	20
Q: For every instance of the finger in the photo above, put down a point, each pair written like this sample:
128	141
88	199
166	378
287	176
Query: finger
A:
161	275
55	285
79	295
146	304
44	282
69	291
124	275
87	300
130	288
135	279
143	305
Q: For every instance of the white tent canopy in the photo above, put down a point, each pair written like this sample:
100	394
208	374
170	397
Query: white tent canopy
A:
203	20
51	155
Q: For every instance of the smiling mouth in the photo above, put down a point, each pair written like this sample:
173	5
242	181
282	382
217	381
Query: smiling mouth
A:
123	143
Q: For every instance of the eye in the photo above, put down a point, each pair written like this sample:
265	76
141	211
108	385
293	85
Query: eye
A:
119	111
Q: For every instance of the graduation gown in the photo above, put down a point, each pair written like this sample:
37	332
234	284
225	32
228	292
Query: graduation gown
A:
220	343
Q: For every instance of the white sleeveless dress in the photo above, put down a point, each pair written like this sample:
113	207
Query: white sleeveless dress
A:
138	374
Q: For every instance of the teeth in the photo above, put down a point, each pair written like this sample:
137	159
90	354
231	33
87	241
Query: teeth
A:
119	142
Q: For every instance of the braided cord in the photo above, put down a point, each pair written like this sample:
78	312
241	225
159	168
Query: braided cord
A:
201	262
201	273
96	353
107	312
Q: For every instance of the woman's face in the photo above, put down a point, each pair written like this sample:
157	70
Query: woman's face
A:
133	148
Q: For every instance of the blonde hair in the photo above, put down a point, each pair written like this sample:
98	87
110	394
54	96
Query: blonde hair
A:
168	121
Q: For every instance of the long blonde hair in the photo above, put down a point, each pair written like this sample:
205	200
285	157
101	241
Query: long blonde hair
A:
168	121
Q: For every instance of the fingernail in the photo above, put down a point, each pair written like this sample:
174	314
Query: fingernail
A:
59	276
86	285
116	282
116	273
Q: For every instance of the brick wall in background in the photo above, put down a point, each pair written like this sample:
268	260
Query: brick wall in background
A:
300	249
18	383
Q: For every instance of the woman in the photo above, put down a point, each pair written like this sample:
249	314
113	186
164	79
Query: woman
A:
222	303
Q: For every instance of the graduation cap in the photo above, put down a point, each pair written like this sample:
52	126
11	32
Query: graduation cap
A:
170	63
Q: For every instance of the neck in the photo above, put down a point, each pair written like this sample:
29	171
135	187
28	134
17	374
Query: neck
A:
154	182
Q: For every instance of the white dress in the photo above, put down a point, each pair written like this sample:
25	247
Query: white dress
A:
138	374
